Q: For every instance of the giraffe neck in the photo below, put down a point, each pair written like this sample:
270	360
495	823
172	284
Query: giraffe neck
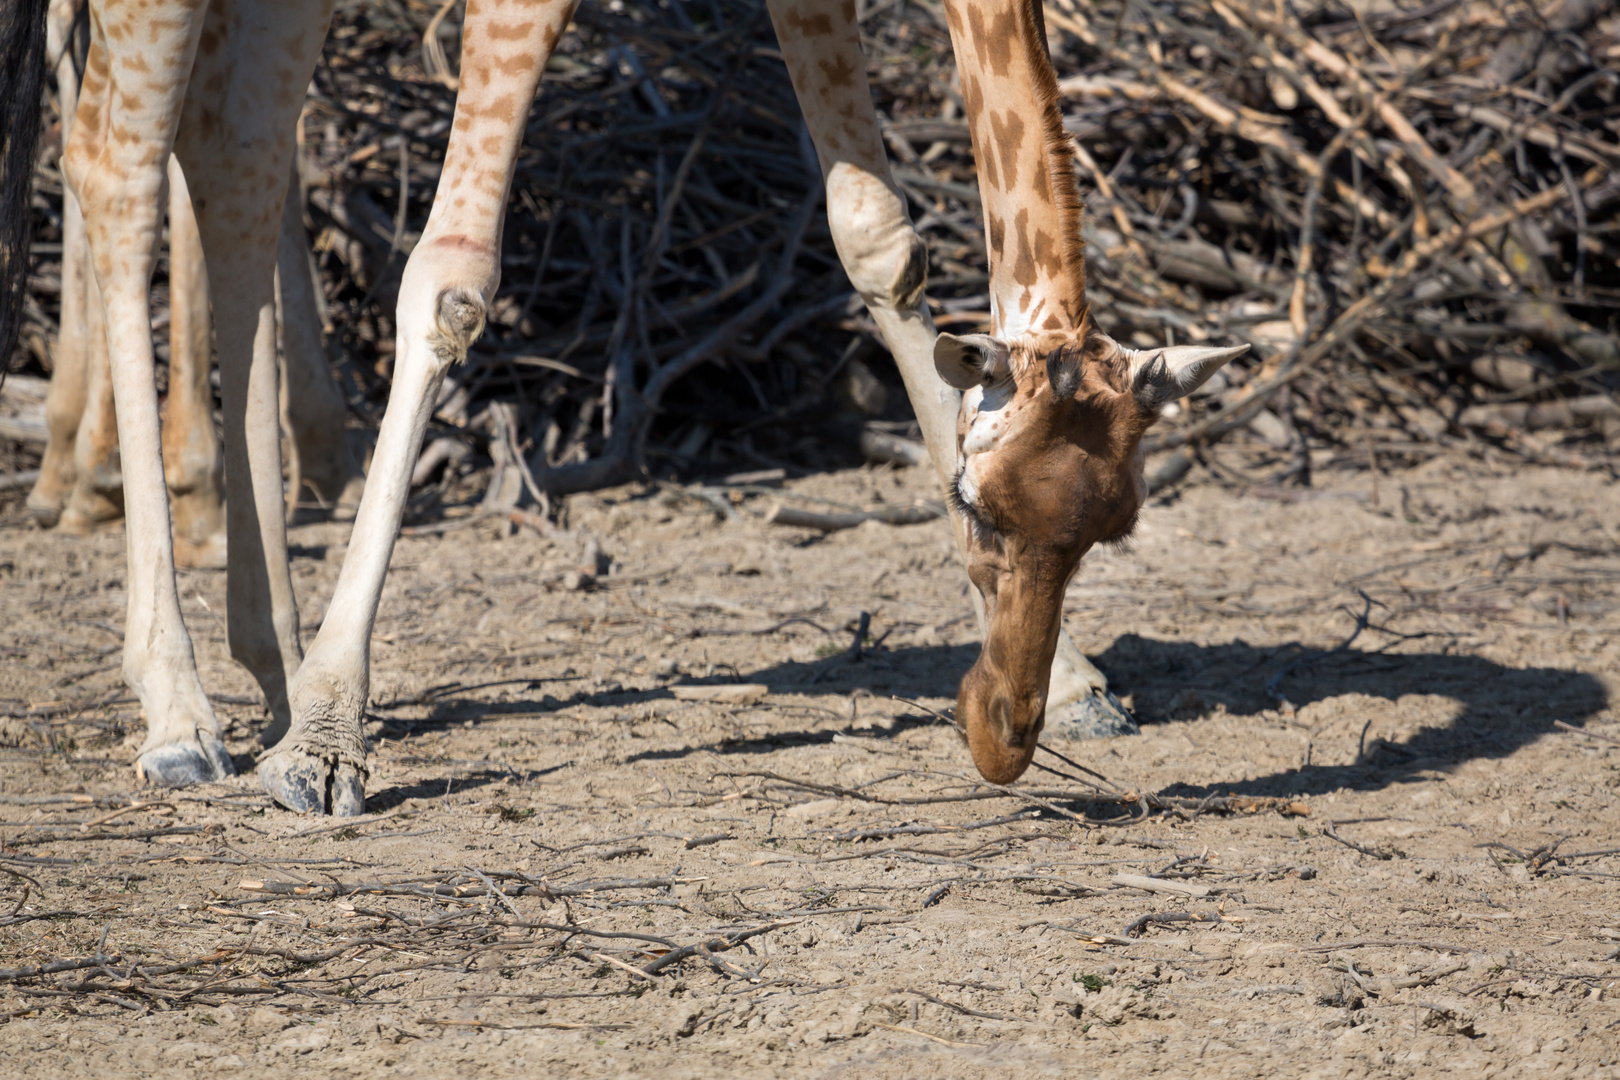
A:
1031	199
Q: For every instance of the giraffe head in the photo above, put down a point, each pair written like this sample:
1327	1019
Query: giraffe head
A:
1048	464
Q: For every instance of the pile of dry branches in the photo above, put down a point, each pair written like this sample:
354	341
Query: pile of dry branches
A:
1411	213
1406	210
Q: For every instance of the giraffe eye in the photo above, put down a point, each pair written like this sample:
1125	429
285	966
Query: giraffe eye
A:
958	497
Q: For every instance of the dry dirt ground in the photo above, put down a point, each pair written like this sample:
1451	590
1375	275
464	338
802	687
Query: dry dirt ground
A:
1448	904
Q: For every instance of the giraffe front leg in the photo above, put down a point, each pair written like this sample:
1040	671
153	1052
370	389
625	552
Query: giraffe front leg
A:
1079	704
888	265
866	212
118	179
319	766
447	286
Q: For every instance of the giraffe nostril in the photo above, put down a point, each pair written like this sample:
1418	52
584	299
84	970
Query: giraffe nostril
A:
1001	719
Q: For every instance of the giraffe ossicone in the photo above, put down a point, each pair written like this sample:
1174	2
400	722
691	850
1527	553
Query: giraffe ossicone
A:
1034	429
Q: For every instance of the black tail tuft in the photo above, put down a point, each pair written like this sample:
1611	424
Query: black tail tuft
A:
22	70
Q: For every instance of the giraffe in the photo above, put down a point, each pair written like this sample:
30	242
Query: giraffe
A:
1048	433
1035	428
1041	452
79	486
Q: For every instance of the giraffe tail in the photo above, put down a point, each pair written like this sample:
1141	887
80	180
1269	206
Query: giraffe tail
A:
22	70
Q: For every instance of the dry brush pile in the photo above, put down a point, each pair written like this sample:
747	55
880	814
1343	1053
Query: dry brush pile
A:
1410	212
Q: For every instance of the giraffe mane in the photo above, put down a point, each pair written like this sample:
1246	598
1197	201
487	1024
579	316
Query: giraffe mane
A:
1060	172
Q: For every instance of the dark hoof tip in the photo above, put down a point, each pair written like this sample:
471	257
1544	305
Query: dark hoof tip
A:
1095	716
295	781
183	764
308	785
348	792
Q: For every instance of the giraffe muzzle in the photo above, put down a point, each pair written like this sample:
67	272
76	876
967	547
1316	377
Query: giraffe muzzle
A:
1002	712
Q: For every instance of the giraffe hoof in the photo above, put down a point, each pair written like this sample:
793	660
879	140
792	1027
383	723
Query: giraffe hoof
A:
1095	716
181	764
46	512
310	785
348	503
208	554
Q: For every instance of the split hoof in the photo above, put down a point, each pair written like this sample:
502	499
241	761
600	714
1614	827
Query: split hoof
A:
87	510
348	503
311	785
185	763
46	511
1098	715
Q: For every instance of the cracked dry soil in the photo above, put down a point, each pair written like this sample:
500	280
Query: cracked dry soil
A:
1449	905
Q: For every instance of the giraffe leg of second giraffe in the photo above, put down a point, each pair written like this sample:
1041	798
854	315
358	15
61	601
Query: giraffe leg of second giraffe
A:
313	408
888	265
64	401
97	495
192	465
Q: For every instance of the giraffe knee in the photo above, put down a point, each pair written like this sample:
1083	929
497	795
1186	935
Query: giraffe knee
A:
460	319
883	255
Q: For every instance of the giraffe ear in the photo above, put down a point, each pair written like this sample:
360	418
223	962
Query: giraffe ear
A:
971	360
1160	376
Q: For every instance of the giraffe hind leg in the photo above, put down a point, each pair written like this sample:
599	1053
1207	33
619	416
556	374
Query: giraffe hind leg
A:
258	56
97	495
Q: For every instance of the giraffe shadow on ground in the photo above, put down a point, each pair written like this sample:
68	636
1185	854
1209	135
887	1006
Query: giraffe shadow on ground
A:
392	795
878	673
1494	710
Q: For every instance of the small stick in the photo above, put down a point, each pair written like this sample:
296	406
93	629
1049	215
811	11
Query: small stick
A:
1377	853
348	823
1087	935
931	1038
1159	885
557	1025
811	519
1386	943
1136	926
951	1005
104	818
730	941
1561	726
629	969
495	891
